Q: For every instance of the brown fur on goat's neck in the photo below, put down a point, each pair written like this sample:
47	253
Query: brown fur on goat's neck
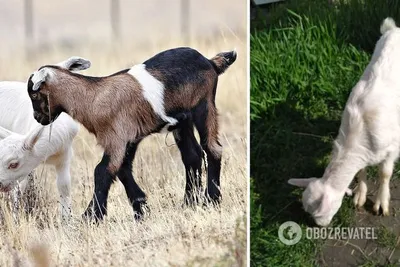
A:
106	106
73	87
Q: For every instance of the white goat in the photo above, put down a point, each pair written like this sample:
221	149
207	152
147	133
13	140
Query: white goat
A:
369	134
25	143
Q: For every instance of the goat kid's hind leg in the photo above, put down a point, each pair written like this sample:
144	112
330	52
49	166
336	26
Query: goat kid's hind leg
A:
136	196
206	121
191	154
383	195
103	179
360	195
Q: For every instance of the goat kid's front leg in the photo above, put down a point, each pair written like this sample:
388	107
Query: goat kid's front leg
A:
103	178
16	198
360	196
383	195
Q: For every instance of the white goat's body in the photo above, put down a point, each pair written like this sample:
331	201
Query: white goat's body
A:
370	127
16	115
15	108
369	134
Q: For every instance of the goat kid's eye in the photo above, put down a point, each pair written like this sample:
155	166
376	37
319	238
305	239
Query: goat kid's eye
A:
13	165
34	95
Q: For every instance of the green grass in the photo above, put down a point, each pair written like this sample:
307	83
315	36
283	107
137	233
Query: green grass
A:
386	237
356	21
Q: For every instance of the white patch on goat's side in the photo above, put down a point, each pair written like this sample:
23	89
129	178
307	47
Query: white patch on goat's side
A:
153	91
40	76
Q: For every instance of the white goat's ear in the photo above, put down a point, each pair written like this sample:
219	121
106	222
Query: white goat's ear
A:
4	133
32	138
75	64
324	206
301	182
39	77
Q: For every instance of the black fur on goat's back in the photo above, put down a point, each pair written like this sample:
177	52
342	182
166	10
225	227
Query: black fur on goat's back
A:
179	66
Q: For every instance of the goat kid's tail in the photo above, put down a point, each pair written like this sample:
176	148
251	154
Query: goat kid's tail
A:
223	60
387	25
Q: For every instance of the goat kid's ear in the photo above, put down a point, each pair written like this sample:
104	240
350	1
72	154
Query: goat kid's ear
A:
349	192
4	133
39	77
301	182
32	138
75	64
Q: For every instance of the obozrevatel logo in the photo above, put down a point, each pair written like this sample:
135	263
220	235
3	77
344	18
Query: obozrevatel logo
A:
289	233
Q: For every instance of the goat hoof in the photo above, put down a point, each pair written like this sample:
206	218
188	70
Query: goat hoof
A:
190	201
376	209
91	215
213	201
66	219
385	212
138	216
140	208
359	200
385	209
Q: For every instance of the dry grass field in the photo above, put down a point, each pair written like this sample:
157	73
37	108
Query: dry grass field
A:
170	235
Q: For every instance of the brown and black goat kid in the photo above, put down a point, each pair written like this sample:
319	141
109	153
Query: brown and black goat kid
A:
172	91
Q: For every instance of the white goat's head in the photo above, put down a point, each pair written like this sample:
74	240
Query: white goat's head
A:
320	199
17	156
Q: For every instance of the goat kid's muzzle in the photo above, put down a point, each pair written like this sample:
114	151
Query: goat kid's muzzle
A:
41	118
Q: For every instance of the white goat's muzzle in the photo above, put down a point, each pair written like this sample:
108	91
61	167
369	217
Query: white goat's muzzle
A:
5	189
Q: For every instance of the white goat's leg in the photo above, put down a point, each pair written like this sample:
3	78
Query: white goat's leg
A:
16	198
16	203
360	195
383	196
64	187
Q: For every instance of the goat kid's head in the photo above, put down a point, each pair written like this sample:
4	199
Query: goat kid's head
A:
17	157
45	111
319	199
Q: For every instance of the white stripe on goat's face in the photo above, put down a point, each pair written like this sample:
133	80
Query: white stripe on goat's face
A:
153	91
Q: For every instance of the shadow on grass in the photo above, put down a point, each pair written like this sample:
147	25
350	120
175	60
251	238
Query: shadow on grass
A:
287	145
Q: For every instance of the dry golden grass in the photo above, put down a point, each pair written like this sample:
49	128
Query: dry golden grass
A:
170	235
